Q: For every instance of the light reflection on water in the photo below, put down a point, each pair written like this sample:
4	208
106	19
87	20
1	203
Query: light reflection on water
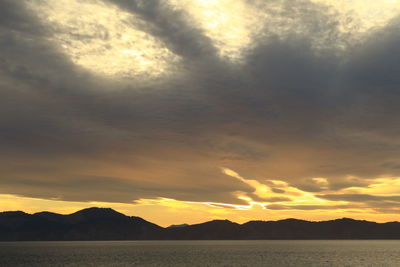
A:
201	253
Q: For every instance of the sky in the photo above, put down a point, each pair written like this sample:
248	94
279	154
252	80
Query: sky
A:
183	111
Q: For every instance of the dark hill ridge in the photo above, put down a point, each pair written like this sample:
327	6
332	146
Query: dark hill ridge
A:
108	224
87	224
178	225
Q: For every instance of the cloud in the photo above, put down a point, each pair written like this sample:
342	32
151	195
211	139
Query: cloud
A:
304	101
359	197
172	26
311	207
268	199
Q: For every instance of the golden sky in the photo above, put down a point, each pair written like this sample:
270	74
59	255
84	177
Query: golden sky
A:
183	111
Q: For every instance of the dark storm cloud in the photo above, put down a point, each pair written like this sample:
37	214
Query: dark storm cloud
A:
14	17
296	109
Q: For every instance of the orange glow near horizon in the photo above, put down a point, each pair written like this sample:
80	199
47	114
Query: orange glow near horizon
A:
165	212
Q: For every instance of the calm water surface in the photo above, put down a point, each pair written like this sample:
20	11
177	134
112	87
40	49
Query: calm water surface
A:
201	253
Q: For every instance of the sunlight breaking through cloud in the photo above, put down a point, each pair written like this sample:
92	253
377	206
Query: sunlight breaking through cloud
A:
104	39
362	16
231	24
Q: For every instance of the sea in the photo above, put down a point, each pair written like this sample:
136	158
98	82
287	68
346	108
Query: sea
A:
202	253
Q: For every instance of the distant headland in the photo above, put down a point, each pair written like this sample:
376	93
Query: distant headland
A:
108	224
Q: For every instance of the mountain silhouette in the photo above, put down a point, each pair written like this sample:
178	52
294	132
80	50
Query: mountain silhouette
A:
108	224
87	224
